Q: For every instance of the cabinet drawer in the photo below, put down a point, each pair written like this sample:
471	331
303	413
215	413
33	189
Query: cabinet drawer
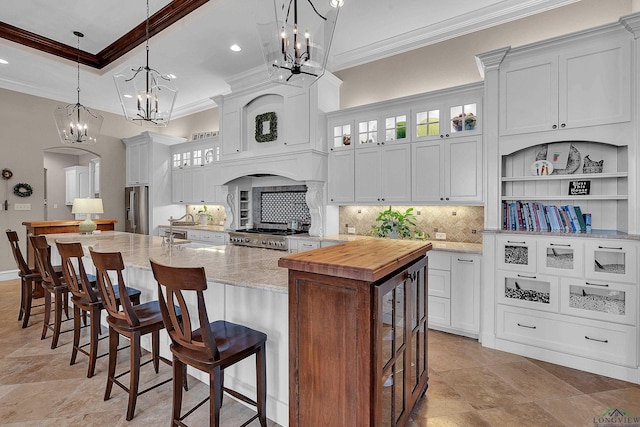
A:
528	290
561	256
517	253
439	283
308	245
607	342
439	260
611	301
439	311
611	260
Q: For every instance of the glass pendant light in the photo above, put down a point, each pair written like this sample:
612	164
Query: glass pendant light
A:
76	123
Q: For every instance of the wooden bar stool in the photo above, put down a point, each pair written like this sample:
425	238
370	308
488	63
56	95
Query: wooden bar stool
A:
52	285
30	280
132	321
86	299
211	348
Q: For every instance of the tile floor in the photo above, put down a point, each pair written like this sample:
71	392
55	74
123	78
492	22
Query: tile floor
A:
469	386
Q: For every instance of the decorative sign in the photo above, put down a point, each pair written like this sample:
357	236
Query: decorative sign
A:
579	188
266	127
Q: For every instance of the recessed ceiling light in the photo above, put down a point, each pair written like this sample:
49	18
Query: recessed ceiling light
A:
126	95
234	47
3	61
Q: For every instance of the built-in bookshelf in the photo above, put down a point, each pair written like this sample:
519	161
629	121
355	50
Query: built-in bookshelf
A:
604	194
535	216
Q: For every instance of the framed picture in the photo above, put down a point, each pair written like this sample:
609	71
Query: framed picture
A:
558	154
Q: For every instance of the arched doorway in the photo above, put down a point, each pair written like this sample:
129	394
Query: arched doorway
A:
68	172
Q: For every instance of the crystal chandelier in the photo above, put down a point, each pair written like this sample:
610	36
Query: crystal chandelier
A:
76	123
297	38
145	94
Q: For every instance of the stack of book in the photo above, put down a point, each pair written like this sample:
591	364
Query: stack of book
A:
534	216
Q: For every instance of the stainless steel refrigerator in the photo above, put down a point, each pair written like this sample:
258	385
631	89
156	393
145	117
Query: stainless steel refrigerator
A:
137	209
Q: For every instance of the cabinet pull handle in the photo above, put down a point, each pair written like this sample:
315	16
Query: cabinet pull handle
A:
511	241
559	244
604	285
609	247
465	260
526	326
526	277
596	339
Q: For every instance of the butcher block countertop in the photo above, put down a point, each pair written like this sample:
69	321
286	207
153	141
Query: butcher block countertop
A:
366	259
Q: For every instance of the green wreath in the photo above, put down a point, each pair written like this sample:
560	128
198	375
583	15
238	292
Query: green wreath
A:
22	190
273	127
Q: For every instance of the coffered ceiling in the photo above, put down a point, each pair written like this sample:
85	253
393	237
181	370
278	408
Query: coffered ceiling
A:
191	39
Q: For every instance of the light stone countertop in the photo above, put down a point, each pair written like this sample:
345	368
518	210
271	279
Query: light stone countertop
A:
232	265
595	234
209	227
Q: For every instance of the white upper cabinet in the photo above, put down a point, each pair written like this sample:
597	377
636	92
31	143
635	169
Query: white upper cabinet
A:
341	177
382	174
137	163
566	89
450	117
447	170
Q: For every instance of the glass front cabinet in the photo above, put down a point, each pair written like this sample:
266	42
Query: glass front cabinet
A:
517	252
560	256
611	260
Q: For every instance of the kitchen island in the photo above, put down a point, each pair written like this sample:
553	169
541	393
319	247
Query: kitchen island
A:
245	286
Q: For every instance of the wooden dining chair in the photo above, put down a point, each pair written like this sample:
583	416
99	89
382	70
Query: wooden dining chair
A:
86	298
53	285
211	348
30	279
130	321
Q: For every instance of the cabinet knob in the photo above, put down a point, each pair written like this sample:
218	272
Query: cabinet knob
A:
441	198
554	127
332	200
447	135
382	143
563	125
446	198
331	149
382	199
441	136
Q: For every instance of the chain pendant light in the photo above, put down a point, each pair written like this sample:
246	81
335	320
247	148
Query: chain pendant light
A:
146	95
76	123
296	37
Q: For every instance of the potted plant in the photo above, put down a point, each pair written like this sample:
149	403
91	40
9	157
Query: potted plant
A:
395	224
204	215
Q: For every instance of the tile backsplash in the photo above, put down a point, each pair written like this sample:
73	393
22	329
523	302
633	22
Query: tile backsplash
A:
460	223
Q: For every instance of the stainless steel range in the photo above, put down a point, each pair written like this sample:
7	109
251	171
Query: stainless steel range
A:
262	238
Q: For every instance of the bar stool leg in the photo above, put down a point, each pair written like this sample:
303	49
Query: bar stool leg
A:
178	379
134	374
215	394
58	319
76	334
155	348
113	358
261	387
27	296
22	298
47	313
94	328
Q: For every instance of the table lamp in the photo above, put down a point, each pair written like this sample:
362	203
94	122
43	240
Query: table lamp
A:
87	206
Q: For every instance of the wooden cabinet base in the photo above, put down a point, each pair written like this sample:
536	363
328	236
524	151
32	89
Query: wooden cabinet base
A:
357	336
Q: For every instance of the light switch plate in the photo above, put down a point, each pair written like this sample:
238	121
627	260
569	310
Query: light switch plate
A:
441	236
22	206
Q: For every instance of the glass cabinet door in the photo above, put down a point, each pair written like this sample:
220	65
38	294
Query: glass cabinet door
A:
529	290
427	124
368	132
396	128
611	260
600	300
463	118
342	136
563	257
517	253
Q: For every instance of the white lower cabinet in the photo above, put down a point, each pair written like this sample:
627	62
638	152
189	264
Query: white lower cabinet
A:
580	297
454	292
302	245
605	341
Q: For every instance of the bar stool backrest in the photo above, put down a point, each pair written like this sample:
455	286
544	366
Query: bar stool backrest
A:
176	281
17	254
43	260
108	264
71	254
